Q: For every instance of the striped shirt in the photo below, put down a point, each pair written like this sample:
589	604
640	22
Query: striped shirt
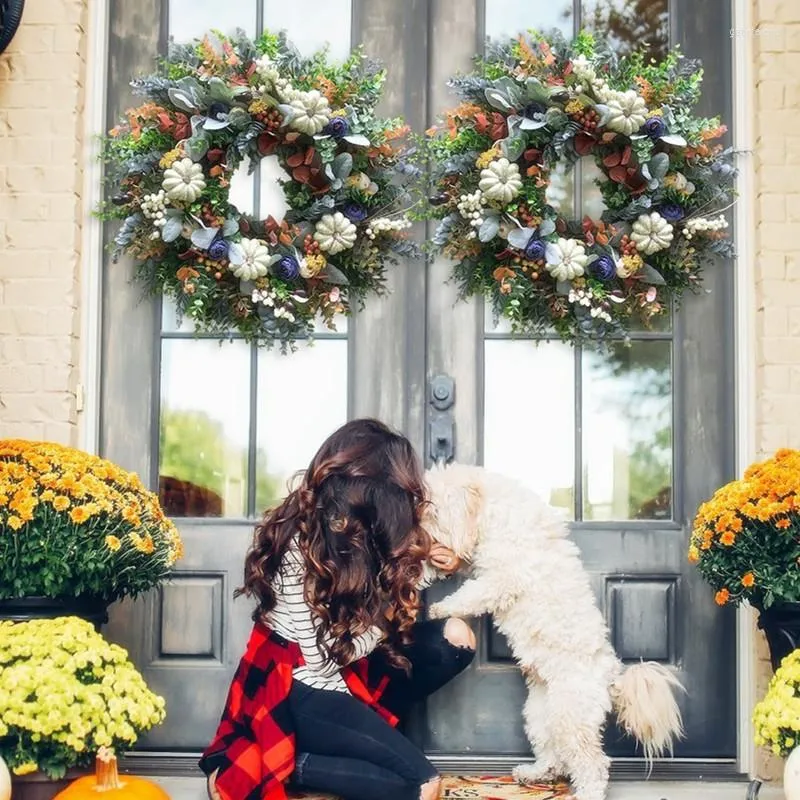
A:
293	619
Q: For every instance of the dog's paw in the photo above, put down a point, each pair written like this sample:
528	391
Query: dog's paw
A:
531	774
438	611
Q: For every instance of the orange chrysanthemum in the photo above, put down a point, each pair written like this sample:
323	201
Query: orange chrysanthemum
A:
722	597
748	580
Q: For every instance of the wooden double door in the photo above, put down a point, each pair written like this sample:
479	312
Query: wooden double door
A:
628	443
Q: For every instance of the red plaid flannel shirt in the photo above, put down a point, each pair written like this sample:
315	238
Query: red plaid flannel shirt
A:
254	747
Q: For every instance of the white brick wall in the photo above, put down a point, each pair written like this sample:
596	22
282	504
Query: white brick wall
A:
41	124
777	191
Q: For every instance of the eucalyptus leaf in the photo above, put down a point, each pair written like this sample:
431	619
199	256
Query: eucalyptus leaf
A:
636	137
604	111
546	227
287	112
532	124
489	229
674	139
498	100
239	119
512	147
513	123
342	165
536	91
172	229
334	275
230	227
511	88
235	254
520	237
203	237
658	165
182	100
650	275
215	124
218	90
556	119
357	139
197	146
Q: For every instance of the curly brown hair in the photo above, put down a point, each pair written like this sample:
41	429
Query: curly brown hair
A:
356	515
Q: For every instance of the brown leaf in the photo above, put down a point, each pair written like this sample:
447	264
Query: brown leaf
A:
296	159
302	174
608	136
583	144
618	174
267	144
612	160
626	154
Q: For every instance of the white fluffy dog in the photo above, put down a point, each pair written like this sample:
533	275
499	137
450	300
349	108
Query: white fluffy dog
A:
526	572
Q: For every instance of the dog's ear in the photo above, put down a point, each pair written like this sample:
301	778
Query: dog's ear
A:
473	493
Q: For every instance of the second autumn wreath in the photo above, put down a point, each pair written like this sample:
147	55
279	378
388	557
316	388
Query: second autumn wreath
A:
533	107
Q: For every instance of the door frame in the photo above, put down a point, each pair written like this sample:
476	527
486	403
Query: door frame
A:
746	449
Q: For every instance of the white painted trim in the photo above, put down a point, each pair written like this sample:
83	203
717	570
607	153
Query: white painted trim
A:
744	339
92	228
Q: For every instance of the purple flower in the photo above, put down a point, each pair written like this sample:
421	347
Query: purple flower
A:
654	127
671	212
287	268
604	268
337	127
218	249
535	249
355	212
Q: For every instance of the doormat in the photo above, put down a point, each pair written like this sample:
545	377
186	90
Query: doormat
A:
485	788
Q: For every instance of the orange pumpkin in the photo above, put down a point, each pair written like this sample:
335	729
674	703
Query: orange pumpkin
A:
107	780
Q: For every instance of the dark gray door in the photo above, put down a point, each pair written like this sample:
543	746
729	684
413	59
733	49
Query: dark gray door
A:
629	444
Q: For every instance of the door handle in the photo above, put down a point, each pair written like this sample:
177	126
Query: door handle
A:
441	425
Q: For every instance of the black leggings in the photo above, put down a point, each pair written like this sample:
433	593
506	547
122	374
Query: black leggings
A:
346	749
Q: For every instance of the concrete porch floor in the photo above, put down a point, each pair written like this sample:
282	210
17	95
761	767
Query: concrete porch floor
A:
194	789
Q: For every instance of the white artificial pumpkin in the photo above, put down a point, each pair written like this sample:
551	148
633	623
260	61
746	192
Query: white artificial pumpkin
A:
500	181
791	775
627	112
255	260
184	181
312	112
335	232
651	233
5	781
566	259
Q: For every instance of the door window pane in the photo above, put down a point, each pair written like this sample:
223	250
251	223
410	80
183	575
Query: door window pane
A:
629	25
529	417
627	432
302	399
191	19
506	18
309	26
203	432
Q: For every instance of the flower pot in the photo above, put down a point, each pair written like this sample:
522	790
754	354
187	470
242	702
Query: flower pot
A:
22	609
781	626
37	786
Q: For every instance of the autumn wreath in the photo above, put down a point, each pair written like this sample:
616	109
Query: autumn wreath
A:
222	101
536	104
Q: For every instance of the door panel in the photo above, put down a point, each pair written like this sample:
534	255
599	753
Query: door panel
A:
629	445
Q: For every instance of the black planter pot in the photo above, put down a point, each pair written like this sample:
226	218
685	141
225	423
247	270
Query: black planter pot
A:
23	609
781	626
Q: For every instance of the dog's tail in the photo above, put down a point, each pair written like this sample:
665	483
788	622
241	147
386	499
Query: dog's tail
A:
644	699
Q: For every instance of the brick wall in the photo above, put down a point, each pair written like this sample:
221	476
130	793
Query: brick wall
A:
777	191
41	130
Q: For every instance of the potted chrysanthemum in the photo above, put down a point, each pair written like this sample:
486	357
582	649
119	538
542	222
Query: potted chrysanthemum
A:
746	544
76	533
776	721
65	693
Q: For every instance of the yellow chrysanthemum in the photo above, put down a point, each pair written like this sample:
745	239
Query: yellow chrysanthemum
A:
486	158
14	522
575	105
61	503
113	543
169	158
26	769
